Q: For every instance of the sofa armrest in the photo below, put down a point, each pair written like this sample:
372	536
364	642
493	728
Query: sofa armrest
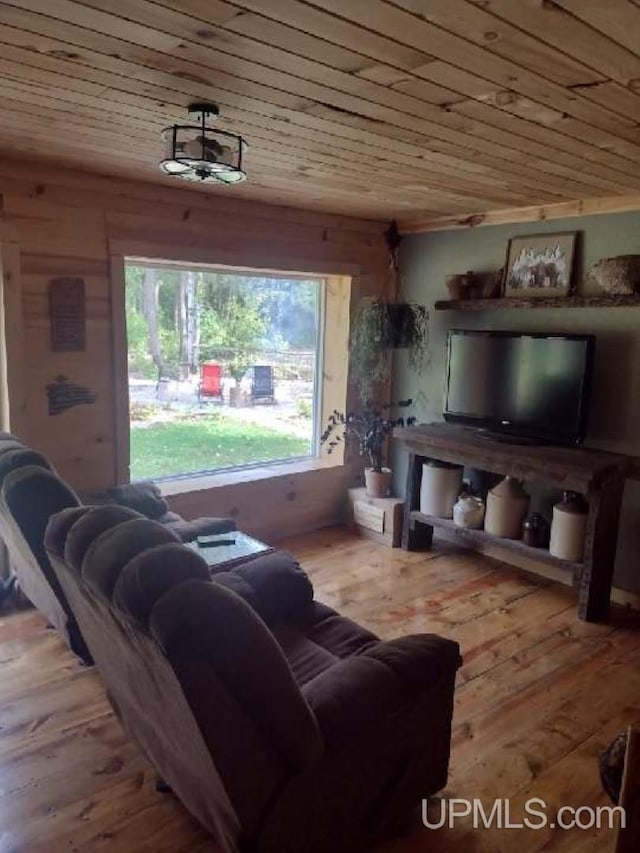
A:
418	660
360	693
143	497
203	526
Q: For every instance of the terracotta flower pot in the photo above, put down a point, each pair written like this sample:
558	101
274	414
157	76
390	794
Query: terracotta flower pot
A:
378	483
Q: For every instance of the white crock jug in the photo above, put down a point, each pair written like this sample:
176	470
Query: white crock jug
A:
440	486
507	505
469	512
569	527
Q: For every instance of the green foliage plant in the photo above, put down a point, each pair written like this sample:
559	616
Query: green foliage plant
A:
378	328
368	429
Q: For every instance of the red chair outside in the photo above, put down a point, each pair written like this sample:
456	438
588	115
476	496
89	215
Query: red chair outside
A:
210	380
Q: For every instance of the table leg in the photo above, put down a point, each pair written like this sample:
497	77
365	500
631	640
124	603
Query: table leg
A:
415	535
600	550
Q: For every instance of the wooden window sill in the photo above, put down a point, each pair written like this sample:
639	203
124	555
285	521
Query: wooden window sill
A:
220	479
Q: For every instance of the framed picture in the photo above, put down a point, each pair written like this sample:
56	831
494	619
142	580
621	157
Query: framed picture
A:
540	265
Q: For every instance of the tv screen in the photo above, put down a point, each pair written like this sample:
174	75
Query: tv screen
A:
534	386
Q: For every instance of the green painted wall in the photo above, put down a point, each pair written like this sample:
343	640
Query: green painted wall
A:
426	259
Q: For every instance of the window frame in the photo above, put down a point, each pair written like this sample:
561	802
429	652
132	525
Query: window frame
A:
314	457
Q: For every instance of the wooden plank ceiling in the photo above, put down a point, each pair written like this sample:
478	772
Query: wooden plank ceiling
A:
413	109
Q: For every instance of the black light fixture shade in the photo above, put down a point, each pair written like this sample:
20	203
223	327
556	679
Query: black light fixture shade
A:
195	152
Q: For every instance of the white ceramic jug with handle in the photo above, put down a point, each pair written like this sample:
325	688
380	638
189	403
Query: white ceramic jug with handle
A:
568	528
469	512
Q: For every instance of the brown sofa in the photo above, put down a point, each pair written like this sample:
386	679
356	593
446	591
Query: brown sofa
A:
30	493
280	725
146	498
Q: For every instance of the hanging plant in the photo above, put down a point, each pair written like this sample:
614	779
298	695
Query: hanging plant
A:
382	326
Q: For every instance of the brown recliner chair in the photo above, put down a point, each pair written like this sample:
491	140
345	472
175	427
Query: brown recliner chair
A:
30	493
281	725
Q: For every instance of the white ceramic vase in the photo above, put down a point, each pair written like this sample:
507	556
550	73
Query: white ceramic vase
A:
469	512
439	488
568	529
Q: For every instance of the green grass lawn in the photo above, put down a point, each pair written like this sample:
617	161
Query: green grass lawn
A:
202	444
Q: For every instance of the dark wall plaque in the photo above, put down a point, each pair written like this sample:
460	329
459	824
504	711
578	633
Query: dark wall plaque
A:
63	394
68	314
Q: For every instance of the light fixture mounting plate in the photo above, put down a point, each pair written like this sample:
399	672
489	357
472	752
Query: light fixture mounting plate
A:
204	108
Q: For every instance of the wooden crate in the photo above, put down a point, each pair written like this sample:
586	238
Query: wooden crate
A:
376	518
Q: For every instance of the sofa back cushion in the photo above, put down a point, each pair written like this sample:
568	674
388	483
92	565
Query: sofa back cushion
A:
29	496
110	551
86	530
152	573
10	459
212	623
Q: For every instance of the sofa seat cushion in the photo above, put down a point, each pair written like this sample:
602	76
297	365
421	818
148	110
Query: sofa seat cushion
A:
320	640
306	658
336	633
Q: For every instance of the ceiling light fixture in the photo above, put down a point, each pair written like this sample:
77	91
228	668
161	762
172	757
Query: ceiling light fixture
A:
195	152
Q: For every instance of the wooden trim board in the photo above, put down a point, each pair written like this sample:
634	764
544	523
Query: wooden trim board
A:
120	371
535	213
12	376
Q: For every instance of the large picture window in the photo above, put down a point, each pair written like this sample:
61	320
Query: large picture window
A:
223	368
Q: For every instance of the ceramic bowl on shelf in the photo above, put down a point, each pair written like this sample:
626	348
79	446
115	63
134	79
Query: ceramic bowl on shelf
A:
458	285
488	285
619	276
470	285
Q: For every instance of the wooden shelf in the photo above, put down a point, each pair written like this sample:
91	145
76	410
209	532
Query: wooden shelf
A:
598	475
599	301
578	469
467	535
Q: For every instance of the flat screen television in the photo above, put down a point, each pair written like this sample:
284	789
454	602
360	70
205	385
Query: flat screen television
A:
519	385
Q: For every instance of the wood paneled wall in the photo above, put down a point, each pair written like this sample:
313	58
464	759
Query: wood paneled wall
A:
63	223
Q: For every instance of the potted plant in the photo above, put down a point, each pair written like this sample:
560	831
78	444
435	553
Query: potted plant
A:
369	428
378	328
382	325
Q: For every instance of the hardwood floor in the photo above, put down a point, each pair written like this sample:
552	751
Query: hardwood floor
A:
539	695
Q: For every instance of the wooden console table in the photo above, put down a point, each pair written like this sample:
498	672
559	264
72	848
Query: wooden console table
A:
598	475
